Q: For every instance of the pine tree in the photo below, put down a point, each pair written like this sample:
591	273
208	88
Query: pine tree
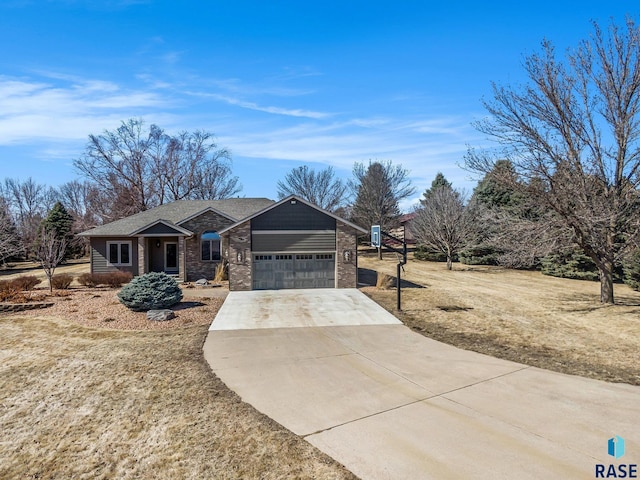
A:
59	222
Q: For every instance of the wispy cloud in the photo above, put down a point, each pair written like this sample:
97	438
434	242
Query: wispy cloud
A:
291	112
67	109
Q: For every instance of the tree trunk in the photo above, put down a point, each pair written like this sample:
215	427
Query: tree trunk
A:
449	263
605	269
379	253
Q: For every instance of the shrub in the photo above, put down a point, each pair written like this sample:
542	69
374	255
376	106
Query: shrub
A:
631	267
116	279
150	291
385	281
570	264
61	281
88	280
479	255
429	255
221	272
112	279
8	291
25	282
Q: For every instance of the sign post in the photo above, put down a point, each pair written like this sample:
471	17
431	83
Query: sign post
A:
376	241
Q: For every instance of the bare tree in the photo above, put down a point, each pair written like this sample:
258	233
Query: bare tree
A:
378	188
192	166
441	222
50	252
28	203
138	168
573	136
320	188
119	162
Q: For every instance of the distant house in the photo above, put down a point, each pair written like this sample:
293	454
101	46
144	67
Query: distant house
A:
404	231
267	244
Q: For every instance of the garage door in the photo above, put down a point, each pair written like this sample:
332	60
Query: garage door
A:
293	270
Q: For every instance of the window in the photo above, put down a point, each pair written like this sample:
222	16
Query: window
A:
119	253
210	247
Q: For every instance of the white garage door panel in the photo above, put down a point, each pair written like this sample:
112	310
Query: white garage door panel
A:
280	271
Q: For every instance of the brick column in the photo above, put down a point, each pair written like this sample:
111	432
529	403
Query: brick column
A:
142	257
182	263
346	270
240	265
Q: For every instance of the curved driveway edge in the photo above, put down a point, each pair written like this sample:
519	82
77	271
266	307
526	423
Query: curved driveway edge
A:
389	403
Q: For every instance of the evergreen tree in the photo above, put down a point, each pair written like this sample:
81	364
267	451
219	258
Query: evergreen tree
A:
378	188
59	222
439	181
10	244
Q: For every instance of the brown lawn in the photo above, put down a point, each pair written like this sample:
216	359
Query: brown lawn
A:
82	399
548	322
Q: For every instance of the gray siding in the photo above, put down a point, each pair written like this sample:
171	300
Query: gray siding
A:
294	242
160	229
297	216
99	262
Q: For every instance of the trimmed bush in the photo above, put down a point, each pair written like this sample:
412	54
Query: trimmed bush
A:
151	291
61	281
88	280
112	279
117	279
25	282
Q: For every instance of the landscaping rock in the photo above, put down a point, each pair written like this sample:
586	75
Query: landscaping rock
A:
202	282
160	315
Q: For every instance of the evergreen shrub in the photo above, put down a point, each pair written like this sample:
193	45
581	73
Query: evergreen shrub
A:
570	264
479	256
151	291
426	254
631	268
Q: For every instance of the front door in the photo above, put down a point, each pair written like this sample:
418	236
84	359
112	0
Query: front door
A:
170	257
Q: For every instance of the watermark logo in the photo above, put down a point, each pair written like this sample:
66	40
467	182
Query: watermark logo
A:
616	447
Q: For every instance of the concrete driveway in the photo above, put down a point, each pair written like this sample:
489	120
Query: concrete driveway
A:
335	368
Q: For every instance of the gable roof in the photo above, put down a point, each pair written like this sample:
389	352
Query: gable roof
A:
285	200
234	209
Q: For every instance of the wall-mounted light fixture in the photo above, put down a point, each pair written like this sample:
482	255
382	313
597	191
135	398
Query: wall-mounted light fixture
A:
347	255
157	243
240	256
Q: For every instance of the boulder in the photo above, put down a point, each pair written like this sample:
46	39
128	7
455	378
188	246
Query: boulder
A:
160	315
202	282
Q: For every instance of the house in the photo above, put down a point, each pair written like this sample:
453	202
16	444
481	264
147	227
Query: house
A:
404	230
267	245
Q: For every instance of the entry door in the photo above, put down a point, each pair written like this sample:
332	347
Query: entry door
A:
171	256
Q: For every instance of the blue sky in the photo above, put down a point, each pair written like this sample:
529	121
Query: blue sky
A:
280	83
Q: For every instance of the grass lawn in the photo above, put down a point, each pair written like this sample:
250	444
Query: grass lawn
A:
79	402
547	322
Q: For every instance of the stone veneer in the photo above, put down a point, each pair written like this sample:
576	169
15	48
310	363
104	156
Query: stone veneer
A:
238	241
346	271
192	260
